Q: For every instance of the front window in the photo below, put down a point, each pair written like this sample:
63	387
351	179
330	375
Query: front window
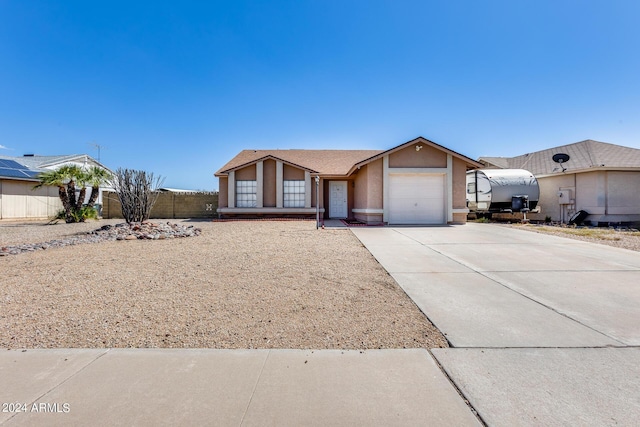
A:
293	194
246	194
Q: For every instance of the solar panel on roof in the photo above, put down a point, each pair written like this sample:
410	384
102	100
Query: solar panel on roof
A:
10	164
13	173
18	173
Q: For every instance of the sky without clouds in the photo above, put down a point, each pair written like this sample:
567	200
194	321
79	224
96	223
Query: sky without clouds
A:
179	87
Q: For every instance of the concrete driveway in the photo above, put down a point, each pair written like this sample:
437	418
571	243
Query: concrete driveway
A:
545	330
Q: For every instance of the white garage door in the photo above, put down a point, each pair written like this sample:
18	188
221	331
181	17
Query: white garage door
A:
416	199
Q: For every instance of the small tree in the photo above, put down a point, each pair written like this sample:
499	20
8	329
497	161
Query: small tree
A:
136	192
66	178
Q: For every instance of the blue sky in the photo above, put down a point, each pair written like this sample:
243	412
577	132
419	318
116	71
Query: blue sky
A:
178	88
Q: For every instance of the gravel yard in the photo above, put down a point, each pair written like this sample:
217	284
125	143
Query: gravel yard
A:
623	238
262	284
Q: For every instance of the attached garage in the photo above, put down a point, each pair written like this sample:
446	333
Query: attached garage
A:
417	199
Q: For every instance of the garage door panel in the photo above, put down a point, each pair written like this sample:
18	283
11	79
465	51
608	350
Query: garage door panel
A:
416	199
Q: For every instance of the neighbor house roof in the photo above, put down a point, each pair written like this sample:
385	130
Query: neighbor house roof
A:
29	166
583	155
36	161
324	162
15	168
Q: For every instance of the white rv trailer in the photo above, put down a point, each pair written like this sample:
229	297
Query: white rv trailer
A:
501	190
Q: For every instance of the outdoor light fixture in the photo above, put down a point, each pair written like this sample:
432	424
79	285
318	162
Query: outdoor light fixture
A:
418	147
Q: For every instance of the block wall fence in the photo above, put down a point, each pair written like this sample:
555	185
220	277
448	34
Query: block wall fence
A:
170	205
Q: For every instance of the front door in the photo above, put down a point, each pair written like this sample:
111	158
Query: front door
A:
337	199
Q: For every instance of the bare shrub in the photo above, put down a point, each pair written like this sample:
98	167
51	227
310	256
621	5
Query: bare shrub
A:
135	189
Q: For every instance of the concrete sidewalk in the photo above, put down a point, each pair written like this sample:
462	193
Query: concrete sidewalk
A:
227	388
544	329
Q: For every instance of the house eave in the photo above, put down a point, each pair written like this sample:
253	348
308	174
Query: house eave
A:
6	178
592	169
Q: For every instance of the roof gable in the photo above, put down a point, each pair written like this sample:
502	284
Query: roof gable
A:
52	162
418	140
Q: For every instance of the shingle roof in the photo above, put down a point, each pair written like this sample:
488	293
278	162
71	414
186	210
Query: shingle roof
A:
325	162
583	155
44	161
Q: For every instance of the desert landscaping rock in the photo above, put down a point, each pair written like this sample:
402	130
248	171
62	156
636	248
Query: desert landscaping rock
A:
122	231
238	285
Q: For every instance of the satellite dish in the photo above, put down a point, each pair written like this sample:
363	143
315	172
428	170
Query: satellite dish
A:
561	158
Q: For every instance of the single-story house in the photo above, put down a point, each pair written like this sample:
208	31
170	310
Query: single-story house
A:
599	178
18	176
418	182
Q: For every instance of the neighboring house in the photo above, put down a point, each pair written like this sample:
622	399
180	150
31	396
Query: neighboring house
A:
18	176
600	178
418	182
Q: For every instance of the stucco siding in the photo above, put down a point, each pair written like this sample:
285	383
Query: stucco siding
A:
375	182
549	204
269	182
459	171
290	172
590	194
608	196
246	174
360	191
222	192
459	218
427	157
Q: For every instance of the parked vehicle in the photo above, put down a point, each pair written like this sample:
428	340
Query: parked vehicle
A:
501	190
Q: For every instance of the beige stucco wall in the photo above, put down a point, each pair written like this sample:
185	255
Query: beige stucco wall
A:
548	203
374	189
608	196
313	193
459	170
459	218
591	192
360	191
290	172
427	157
223	185
269	183
246	174
367	192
